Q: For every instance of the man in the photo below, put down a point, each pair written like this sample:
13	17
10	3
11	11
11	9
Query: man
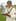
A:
9	11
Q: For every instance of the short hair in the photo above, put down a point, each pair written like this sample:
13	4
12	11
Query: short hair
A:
9	2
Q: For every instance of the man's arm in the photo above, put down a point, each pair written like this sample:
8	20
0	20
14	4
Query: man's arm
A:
6	14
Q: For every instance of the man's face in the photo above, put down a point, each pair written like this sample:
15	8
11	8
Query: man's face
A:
9	4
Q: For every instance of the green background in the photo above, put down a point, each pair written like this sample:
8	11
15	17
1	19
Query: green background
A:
2	18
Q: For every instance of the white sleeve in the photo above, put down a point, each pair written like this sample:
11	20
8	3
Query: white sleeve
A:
12	12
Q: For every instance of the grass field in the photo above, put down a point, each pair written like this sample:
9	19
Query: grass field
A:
2	18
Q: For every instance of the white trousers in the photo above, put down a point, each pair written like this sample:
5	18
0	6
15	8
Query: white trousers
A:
10	18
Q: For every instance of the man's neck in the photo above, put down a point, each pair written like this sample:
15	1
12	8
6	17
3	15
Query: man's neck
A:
9	6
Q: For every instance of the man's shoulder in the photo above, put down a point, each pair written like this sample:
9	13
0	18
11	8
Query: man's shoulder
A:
13	9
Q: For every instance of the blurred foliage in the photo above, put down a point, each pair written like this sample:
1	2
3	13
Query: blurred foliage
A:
15	6
0	10
2	18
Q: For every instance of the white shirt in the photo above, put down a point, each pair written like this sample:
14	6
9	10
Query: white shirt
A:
7	9
11	12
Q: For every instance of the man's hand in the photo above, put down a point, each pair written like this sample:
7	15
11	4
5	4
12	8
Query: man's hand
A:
9	15
6	15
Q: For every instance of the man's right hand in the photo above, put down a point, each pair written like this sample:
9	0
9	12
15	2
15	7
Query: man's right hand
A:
6	15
